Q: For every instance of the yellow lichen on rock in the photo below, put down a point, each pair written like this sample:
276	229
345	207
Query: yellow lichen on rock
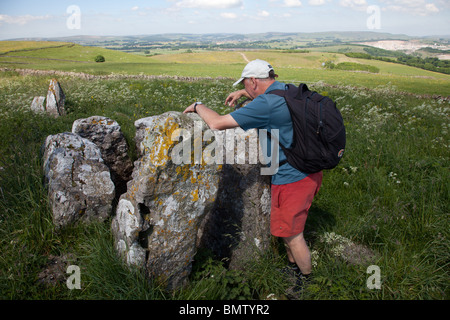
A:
159	155
194	194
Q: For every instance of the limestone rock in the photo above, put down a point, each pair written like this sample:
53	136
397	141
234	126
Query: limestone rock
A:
192	187
38	104
157	220
79	183
55	99
238	227
107	135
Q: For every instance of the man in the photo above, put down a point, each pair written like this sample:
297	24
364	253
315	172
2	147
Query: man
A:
292	190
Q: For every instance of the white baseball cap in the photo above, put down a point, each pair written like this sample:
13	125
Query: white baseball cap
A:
255	69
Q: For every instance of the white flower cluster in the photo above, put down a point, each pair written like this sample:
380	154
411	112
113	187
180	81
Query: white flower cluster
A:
393	177
337	243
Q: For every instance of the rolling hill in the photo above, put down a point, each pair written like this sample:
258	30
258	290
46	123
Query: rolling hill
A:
294	66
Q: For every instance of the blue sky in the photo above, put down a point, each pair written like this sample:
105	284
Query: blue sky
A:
25	18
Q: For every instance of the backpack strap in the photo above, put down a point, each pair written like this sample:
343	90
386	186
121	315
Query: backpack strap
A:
302	90
298	93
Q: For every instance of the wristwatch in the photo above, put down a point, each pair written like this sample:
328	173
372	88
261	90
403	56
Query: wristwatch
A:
195	106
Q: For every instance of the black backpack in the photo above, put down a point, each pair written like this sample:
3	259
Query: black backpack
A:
319	131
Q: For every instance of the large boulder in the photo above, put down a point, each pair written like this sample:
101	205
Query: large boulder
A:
55	99
157	220
238	227
37	105
80	188
192	187
107	135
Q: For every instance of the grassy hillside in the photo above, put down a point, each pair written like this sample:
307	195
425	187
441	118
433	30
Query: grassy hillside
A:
389	193
294	67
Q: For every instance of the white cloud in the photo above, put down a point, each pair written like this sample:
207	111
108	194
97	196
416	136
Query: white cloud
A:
263	14
414	7
228	15
292	3
316	2
134	8
209	4
431	7
353	3
21	20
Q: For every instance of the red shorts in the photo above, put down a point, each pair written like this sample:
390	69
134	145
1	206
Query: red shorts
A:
290	205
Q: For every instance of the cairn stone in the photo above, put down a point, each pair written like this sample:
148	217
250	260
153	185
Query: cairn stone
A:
79	183
157	220
38	105
238	226
107	135
215	198
55	99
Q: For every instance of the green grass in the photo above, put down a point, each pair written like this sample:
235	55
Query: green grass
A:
390	192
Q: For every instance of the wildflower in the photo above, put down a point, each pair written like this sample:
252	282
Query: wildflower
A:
314	258
393	176
271	296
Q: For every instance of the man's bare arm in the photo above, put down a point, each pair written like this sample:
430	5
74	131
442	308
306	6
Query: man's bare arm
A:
214	120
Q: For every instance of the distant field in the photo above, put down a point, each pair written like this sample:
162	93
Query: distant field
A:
7	46
63	51
291	66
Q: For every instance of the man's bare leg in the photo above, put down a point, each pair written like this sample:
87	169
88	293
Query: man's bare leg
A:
298	252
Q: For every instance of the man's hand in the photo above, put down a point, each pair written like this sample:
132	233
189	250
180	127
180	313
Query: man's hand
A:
235	96
212	118
189	109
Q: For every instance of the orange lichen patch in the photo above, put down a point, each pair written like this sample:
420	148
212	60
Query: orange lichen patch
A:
132	192
184	172
163	142
52	86
194	194
102	122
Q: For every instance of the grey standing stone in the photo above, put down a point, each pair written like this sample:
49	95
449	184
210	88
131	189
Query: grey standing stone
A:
157	220
238	227
178	201
107	135
38	105
55	99
79	183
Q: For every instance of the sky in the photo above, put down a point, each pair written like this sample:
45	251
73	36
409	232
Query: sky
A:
44	18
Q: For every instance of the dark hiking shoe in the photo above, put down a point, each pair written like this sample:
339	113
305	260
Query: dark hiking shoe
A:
291	270
301	283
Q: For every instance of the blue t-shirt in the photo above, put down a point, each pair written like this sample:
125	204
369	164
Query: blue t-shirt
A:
269	111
